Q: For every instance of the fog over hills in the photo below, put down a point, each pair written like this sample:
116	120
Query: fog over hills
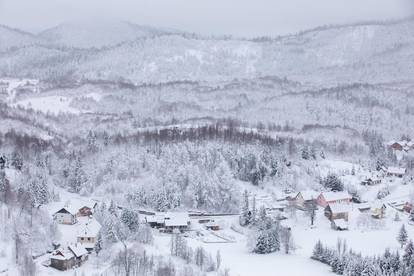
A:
374	53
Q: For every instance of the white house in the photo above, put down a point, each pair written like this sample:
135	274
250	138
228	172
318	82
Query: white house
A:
66	215
396	171
88	233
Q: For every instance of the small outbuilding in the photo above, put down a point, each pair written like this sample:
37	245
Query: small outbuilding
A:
378	210
212	226
73	256
339	224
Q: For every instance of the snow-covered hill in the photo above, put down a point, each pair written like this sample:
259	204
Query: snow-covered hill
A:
373	53
13	38
97	34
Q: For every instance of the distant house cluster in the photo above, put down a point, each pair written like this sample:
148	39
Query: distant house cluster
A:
403	145
18	85
79	215
336	205
69	213
384	172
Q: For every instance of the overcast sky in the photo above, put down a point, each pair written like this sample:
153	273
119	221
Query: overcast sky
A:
237	17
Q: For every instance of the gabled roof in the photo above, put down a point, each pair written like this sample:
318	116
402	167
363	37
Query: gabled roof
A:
341	223
378	205
396	170
75	204
91	228
62	255
78	250
67	209
308	195
334	196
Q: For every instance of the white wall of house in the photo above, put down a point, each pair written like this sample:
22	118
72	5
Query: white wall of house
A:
65	218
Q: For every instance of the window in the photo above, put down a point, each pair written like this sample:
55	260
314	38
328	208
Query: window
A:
82	239
89	239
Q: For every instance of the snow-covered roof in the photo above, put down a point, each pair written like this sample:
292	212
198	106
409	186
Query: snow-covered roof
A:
90	228
334	196
396	170
157	218
365	205
341	223
70	209
392	142
61	254
403	143
308	195
74	204
339	208
80	203
378	205
177	219
78	249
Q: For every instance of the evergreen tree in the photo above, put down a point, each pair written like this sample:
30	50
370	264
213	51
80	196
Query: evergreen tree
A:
305	153
397	216
402	236
254	211
112	209
262	243
266	239
77	177
16	160
317	251
333	183
98	244
245	216
130	219
38	190
4	186
408	253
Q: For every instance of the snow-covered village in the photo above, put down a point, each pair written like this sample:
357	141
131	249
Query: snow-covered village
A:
203	138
